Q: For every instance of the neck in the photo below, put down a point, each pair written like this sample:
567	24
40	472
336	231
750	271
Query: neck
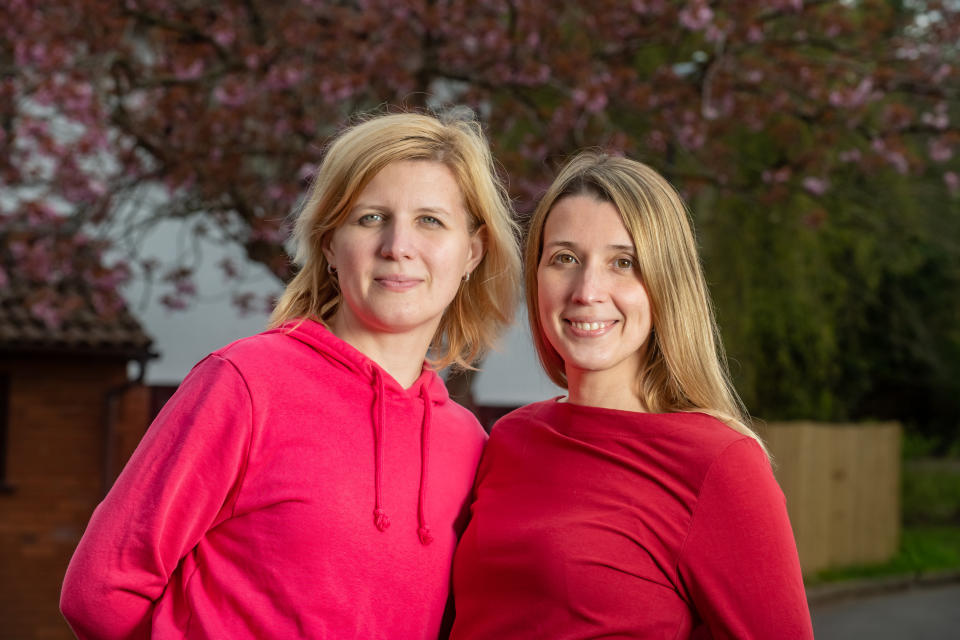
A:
399	354
596	389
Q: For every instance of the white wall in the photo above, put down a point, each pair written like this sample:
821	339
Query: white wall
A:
511	375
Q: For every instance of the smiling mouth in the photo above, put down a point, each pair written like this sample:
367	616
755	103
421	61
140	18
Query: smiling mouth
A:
590	326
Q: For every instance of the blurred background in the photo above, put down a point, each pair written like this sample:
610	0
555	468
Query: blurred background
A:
152	152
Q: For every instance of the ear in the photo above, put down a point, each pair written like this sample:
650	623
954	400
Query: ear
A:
478	247
326	245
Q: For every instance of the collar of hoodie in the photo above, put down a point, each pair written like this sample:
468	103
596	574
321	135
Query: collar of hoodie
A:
428	389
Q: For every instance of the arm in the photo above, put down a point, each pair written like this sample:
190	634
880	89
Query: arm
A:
182	480
739	562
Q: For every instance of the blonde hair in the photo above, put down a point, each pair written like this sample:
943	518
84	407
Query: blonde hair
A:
484	305
685	368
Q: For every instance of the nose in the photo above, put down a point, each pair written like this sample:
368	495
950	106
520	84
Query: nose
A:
397	241
588	286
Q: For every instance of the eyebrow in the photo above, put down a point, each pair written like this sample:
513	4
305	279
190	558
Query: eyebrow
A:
385	209
628	248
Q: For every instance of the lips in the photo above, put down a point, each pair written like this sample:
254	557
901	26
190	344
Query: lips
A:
582	327
397	282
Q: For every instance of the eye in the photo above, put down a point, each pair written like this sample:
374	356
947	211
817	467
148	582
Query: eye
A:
431	221
624	263
370	219
564	258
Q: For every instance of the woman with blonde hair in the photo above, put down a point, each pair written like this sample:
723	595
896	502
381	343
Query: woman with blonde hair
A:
312	481
641	505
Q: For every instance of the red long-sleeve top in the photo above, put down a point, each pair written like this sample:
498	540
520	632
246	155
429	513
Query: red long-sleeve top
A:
593	523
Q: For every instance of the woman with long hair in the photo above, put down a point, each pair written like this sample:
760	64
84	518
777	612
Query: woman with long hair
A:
641	505
312	481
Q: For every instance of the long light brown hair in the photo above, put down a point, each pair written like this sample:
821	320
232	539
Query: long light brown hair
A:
485	304
685	367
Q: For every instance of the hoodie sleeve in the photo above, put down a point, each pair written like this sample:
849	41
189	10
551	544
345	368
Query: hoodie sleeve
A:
182	480
739	562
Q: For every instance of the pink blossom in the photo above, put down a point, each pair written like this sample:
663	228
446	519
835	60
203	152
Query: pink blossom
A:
224	36
938	119
650	6
657	141
816	186
229	268
79	98
185	287
597	103
279	79
194	71
46	312
244	302
899	162
695	16
272	234
952	180
851	155
106	303
939	150
777	176
851	98
941	73
173	302
232	95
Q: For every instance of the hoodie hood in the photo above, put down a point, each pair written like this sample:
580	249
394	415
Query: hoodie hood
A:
428	389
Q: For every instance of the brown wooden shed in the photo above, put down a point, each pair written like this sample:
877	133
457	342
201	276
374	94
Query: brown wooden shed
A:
70	416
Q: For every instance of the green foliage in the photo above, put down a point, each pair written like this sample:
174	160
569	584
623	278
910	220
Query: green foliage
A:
927	548
931	492
931	518
842	307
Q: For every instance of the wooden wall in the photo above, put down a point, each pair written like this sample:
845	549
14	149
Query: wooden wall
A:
842	484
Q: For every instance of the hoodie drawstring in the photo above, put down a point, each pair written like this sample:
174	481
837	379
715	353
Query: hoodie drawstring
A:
380	518
424	530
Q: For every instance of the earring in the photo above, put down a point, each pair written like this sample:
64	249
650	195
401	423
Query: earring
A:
466	277
332	270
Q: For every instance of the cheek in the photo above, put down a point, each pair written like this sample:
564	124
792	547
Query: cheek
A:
639	305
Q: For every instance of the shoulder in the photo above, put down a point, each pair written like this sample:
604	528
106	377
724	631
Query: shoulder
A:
463	421
523	416
707	440
741	467
257	348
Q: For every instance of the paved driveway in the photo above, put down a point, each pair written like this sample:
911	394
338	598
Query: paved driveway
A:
917	613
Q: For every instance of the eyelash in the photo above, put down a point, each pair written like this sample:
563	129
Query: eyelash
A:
368	219
561	258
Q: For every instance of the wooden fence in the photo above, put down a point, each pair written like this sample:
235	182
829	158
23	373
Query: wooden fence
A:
842	484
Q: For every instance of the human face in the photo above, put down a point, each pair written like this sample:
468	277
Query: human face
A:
594	309
402	252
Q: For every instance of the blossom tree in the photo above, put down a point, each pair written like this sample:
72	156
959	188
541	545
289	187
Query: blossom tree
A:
767	115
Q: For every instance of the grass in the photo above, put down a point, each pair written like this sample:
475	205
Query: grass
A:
930	539
922	548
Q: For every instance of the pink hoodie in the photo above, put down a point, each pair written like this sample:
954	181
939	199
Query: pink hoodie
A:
291	488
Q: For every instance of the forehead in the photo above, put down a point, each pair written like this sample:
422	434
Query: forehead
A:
430	175
584	220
